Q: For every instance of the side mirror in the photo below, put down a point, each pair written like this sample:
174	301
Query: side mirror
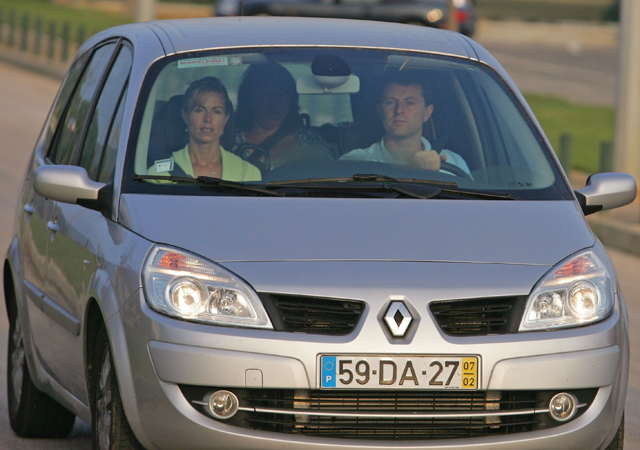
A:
606	191
71	184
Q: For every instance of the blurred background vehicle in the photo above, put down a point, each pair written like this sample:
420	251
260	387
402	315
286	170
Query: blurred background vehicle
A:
459	15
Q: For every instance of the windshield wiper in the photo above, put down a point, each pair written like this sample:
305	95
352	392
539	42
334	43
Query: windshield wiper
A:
361	183
271	188
462	193
446	188
210	181
411	187
360	177
364	184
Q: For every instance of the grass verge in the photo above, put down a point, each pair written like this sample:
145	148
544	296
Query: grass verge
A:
589	126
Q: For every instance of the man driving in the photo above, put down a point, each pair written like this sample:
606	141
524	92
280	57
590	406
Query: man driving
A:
405	106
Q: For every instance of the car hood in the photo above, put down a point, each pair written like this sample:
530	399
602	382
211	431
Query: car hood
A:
317	229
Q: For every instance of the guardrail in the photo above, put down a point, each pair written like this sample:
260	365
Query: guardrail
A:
50	39
565	150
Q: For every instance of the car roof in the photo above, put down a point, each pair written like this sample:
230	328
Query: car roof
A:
191	34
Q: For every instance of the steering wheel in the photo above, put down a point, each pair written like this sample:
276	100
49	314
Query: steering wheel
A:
255	155
457	171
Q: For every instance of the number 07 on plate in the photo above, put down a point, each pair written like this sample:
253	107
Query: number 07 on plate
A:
399	372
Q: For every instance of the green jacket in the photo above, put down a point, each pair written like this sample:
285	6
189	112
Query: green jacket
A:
234	168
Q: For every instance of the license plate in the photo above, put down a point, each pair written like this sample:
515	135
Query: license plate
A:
398	372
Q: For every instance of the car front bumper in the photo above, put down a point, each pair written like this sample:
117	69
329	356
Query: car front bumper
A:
156	356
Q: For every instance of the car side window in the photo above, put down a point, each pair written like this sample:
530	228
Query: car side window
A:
103	115
66	90
64	148
108	163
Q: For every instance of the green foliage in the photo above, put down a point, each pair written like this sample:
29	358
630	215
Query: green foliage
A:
589	125
612	13
93	21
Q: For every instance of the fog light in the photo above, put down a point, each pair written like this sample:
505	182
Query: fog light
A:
222	404
562	407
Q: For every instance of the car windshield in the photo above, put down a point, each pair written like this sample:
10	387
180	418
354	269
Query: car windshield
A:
335	121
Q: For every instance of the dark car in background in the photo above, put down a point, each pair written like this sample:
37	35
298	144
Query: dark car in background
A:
459	15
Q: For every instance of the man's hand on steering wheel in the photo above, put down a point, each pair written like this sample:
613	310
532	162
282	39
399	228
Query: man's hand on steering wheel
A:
429	159
432	160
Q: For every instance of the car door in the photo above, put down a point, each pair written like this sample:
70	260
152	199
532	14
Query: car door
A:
72	256
34	235
47	315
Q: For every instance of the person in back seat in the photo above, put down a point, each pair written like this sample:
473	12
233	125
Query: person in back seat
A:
268	117
405	106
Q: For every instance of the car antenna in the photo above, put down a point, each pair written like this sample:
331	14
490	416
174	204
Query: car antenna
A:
241	9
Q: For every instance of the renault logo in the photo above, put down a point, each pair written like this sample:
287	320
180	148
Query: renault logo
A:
398	318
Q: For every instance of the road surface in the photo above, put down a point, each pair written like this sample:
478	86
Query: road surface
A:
580	74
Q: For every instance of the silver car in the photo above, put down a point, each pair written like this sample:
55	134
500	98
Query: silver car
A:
267	233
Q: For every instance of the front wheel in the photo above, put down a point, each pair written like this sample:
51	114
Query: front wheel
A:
618	440
110	428
32	413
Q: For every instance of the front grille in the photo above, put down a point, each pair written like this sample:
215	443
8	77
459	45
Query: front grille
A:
312	315
392	414
398	404
381	401
402	429
478	317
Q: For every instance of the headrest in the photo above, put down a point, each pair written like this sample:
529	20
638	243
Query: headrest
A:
168	130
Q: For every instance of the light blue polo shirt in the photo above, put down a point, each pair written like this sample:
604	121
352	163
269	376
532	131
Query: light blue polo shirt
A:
379	153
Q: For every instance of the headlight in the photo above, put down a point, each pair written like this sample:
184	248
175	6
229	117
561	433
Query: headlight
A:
578	291
189	287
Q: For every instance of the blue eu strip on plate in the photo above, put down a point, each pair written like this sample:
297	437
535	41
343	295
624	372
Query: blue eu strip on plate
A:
328	371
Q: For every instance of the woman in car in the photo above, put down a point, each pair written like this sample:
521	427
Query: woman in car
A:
206	110
268	118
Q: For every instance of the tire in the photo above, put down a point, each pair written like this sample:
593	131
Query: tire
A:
110	428
32	413
618	440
